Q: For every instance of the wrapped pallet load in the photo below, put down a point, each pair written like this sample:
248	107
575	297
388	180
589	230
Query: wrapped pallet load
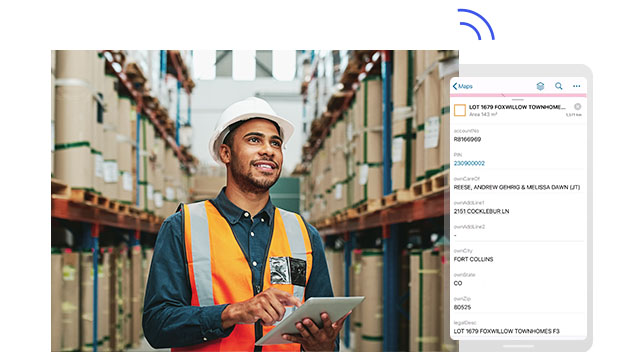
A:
368	117
419	114
371	310
432	114
403	152
56	299
71	301
99	109
424	297
125	149
75	118
110	143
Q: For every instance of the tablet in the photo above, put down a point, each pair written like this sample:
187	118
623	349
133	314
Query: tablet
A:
336	307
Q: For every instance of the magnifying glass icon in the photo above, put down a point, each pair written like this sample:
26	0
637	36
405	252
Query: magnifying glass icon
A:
558	85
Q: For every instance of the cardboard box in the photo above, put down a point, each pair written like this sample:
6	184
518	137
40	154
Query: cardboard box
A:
372	328
71	301
56	300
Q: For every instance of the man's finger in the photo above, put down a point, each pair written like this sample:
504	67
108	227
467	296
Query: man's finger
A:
338	324
286	298
270	311
265	318
326	320
277	306
311	326
293	338
303	331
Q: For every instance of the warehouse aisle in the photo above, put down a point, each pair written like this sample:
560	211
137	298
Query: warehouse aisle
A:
372	180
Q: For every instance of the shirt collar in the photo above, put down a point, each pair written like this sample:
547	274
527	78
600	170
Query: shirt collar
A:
233	213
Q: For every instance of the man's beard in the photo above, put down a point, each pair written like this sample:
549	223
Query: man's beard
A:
246	181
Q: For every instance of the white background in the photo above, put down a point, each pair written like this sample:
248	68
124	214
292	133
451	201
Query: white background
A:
606	36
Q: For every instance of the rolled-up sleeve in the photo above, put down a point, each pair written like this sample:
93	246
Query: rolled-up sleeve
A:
168	318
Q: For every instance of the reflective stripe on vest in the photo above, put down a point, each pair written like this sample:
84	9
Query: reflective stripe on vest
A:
219	272
200	246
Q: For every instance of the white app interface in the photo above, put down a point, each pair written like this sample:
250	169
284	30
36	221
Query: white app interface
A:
518	208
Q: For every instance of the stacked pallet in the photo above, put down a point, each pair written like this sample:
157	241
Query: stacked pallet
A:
122	275
368	142
78	118
433	69
95	124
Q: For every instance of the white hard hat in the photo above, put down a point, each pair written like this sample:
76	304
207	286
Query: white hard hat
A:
243	110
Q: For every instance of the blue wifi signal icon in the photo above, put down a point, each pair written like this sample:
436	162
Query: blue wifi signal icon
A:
474	28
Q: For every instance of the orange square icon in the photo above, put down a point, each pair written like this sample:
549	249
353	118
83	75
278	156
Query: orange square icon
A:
459	109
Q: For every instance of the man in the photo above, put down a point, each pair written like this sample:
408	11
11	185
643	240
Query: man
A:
226	270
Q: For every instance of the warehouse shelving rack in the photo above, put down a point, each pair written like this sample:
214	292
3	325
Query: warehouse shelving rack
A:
93	216
389	219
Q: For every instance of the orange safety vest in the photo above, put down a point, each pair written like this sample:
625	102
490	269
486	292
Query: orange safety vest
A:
220	273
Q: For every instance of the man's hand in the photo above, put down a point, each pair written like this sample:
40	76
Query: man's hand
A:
267	306
317	339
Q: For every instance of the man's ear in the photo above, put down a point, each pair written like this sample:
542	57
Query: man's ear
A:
225	153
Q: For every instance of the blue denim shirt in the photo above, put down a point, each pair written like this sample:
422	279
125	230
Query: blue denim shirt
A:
168	318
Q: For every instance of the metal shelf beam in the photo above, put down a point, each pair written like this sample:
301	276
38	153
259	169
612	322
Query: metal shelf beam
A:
73	211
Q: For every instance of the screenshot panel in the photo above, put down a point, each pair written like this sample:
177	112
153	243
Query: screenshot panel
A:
519	169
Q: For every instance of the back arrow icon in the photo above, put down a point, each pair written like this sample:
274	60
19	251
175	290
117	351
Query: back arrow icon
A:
454	86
